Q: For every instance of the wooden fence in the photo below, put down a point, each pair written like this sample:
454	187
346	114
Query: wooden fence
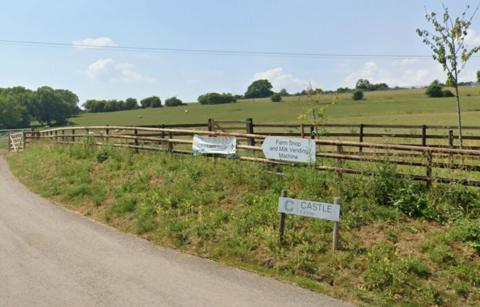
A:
424	163
424	135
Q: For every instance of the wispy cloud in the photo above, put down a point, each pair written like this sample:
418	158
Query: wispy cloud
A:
99	67
472	38
116	71
94	42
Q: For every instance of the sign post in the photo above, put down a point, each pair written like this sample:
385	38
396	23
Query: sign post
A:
319	210
289	149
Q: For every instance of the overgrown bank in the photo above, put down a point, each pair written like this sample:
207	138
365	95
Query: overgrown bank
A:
401	244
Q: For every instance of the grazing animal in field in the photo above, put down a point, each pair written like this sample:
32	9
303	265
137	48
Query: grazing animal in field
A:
140	116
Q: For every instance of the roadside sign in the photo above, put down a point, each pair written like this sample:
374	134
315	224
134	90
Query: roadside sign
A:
309	208
214	145
289	149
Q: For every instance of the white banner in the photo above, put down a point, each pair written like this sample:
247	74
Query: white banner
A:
289	149
308	208
214	145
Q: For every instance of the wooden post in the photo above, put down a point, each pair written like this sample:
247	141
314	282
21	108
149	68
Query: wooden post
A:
135	132
429	169
249	130
312	132
302	130
63	137
9	142
211	124
340	160
24	140
336	230
73	135
360	148
281	224
170	144
450	144
424	135
107	135
56	134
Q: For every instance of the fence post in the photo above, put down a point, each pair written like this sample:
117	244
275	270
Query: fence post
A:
424	135
73	135
170	144
360	148
211	124
302	130
56	136
336	230
9	142
313	132
107	135
340	160
135	132
249	129
429	169
281	224
24	138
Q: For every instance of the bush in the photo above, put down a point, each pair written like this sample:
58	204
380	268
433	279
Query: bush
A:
173	102
358	95
216	98
276	97
434	90
448	93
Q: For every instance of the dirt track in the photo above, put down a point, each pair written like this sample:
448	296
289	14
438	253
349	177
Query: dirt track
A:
52	257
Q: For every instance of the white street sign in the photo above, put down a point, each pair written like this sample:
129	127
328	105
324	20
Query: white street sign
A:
308	208
214	145
289	149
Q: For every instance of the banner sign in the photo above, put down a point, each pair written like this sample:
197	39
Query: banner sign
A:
289	149
214	145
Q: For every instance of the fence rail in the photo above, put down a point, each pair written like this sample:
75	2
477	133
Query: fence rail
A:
418	162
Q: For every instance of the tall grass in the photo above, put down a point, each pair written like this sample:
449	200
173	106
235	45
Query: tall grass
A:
402	243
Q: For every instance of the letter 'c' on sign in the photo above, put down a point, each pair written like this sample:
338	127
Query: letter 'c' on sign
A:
289	205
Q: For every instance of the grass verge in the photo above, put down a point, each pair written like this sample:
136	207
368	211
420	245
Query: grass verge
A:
402	244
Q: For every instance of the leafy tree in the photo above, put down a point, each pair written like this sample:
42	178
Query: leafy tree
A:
357	95
11	113
447	43
283	92
216	98
478	76
151	102
259	89
50	106
131	104
276	97
173	102
434	89
70	99
363	84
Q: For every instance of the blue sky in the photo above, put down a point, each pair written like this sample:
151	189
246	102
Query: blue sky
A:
349	27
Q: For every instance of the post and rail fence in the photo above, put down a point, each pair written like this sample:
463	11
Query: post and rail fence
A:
423	162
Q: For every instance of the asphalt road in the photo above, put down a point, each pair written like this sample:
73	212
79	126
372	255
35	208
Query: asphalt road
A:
52	257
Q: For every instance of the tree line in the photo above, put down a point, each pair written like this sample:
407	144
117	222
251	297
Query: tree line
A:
113	105
20	106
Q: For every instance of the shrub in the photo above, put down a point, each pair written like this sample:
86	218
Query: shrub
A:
434	90
173	102
448	93
276	97
216	98
357	95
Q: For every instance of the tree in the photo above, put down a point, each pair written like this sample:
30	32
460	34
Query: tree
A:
283	92
216	98
131	104
363	84
447	43
478	76
173	102
357	95
276	97
151	102
50	106
434	89
259	89
11	113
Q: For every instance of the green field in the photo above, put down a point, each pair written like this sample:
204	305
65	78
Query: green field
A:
409	106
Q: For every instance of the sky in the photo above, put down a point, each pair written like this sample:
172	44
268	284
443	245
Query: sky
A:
348	27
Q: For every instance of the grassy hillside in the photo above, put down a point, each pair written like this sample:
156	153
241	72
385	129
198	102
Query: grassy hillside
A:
402	244
401	107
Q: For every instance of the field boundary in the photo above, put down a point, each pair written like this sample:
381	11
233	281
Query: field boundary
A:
332	153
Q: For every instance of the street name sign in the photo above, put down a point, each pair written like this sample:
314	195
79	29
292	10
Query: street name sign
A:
308	208
214	145
289	149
